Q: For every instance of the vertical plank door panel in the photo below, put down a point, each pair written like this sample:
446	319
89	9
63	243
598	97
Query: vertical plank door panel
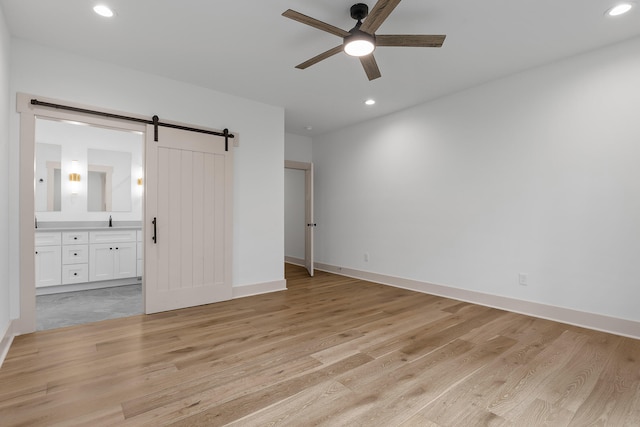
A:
191	201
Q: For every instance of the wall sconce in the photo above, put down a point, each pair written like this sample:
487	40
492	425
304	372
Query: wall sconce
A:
140	175
74	177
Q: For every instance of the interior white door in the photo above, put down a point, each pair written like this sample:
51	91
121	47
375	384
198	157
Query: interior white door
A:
308	210
308	241
188	214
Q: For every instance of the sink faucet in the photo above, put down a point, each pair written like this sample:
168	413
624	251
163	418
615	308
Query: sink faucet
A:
110	223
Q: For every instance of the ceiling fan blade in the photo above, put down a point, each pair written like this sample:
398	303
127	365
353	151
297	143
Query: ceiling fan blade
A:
318	58
370	66
297	16
410	40
378	14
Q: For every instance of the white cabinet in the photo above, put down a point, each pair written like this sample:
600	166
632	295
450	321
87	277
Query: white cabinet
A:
75	238
75	273
112	236
70	257
75	257
48	266
75	254
139	266
48	238
48	258
125	261
115	257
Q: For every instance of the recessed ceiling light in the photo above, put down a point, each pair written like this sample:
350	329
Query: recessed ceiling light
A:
619	9
308	127
103	10
370	101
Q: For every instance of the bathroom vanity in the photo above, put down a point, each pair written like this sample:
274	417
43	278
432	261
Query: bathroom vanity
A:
85	177
88	257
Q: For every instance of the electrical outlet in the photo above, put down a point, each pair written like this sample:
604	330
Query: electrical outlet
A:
366	257
522	279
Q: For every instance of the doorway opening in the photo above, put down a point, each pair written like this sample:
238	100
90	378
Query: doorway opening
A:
308	223
203	160
78	278
52	254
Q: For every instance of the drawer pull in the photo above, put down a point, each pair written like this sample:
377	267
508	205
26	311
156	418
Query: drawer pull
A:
75	238
75	274
75	254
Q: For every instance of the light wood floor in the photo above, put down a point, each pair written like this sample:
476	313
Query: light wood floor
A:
329	351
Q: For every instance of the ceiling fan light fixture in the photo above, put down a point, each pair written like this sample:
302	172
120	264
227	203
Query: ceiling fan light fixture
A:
359	43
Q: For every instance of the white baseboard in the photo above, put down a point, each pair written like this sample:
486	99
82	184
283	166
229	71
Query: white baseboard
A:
598	322
294	261
5	342
87	286
259	288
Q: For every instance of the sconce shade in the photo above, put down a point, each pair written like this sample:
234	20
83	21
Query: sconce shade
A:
139	181
74	177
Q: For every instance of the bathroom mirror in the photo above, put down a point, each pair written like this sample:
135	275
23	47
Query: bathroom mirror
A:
48	178
108	181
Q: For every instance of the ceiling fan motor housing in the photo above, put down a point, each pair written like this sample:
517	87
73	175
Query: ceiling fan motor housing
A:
357	34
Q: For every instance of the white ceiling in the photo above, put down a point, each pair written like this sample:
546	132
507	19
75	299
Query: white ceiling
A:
246	48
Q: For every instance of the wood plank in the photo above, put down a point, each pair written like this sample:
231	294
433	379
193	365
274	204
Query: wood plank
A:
173	219
198	218
330	350
208	229
186	212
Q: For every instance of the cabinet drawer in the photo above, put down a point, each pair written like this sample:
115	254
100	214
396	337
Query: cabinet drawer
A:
48	238
75	254
112	236
76	273
75	237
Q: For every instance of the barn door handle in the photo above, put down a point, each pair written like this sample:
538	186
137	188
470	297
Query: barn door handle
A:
155	237
312	225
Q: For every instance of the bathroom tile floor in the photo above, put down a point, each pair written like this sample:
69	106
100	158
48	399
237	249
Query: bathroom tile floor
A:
74	308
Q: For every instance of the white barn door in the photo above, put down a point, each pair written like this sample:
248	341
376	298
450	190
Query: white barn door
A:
188	214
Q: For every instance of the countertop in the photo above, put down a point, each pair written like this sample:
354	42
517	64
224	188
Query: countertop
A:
87	225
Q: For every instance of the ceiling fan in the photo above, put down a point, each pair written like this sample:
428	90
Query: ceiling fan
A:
361	40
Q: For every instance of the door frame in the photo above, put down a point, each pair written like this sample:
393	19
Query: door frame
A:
26	321
307	167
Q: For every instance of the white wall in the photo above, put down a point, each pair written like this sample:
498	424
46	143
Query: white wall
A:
536	173
4	178
297	148
258	248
